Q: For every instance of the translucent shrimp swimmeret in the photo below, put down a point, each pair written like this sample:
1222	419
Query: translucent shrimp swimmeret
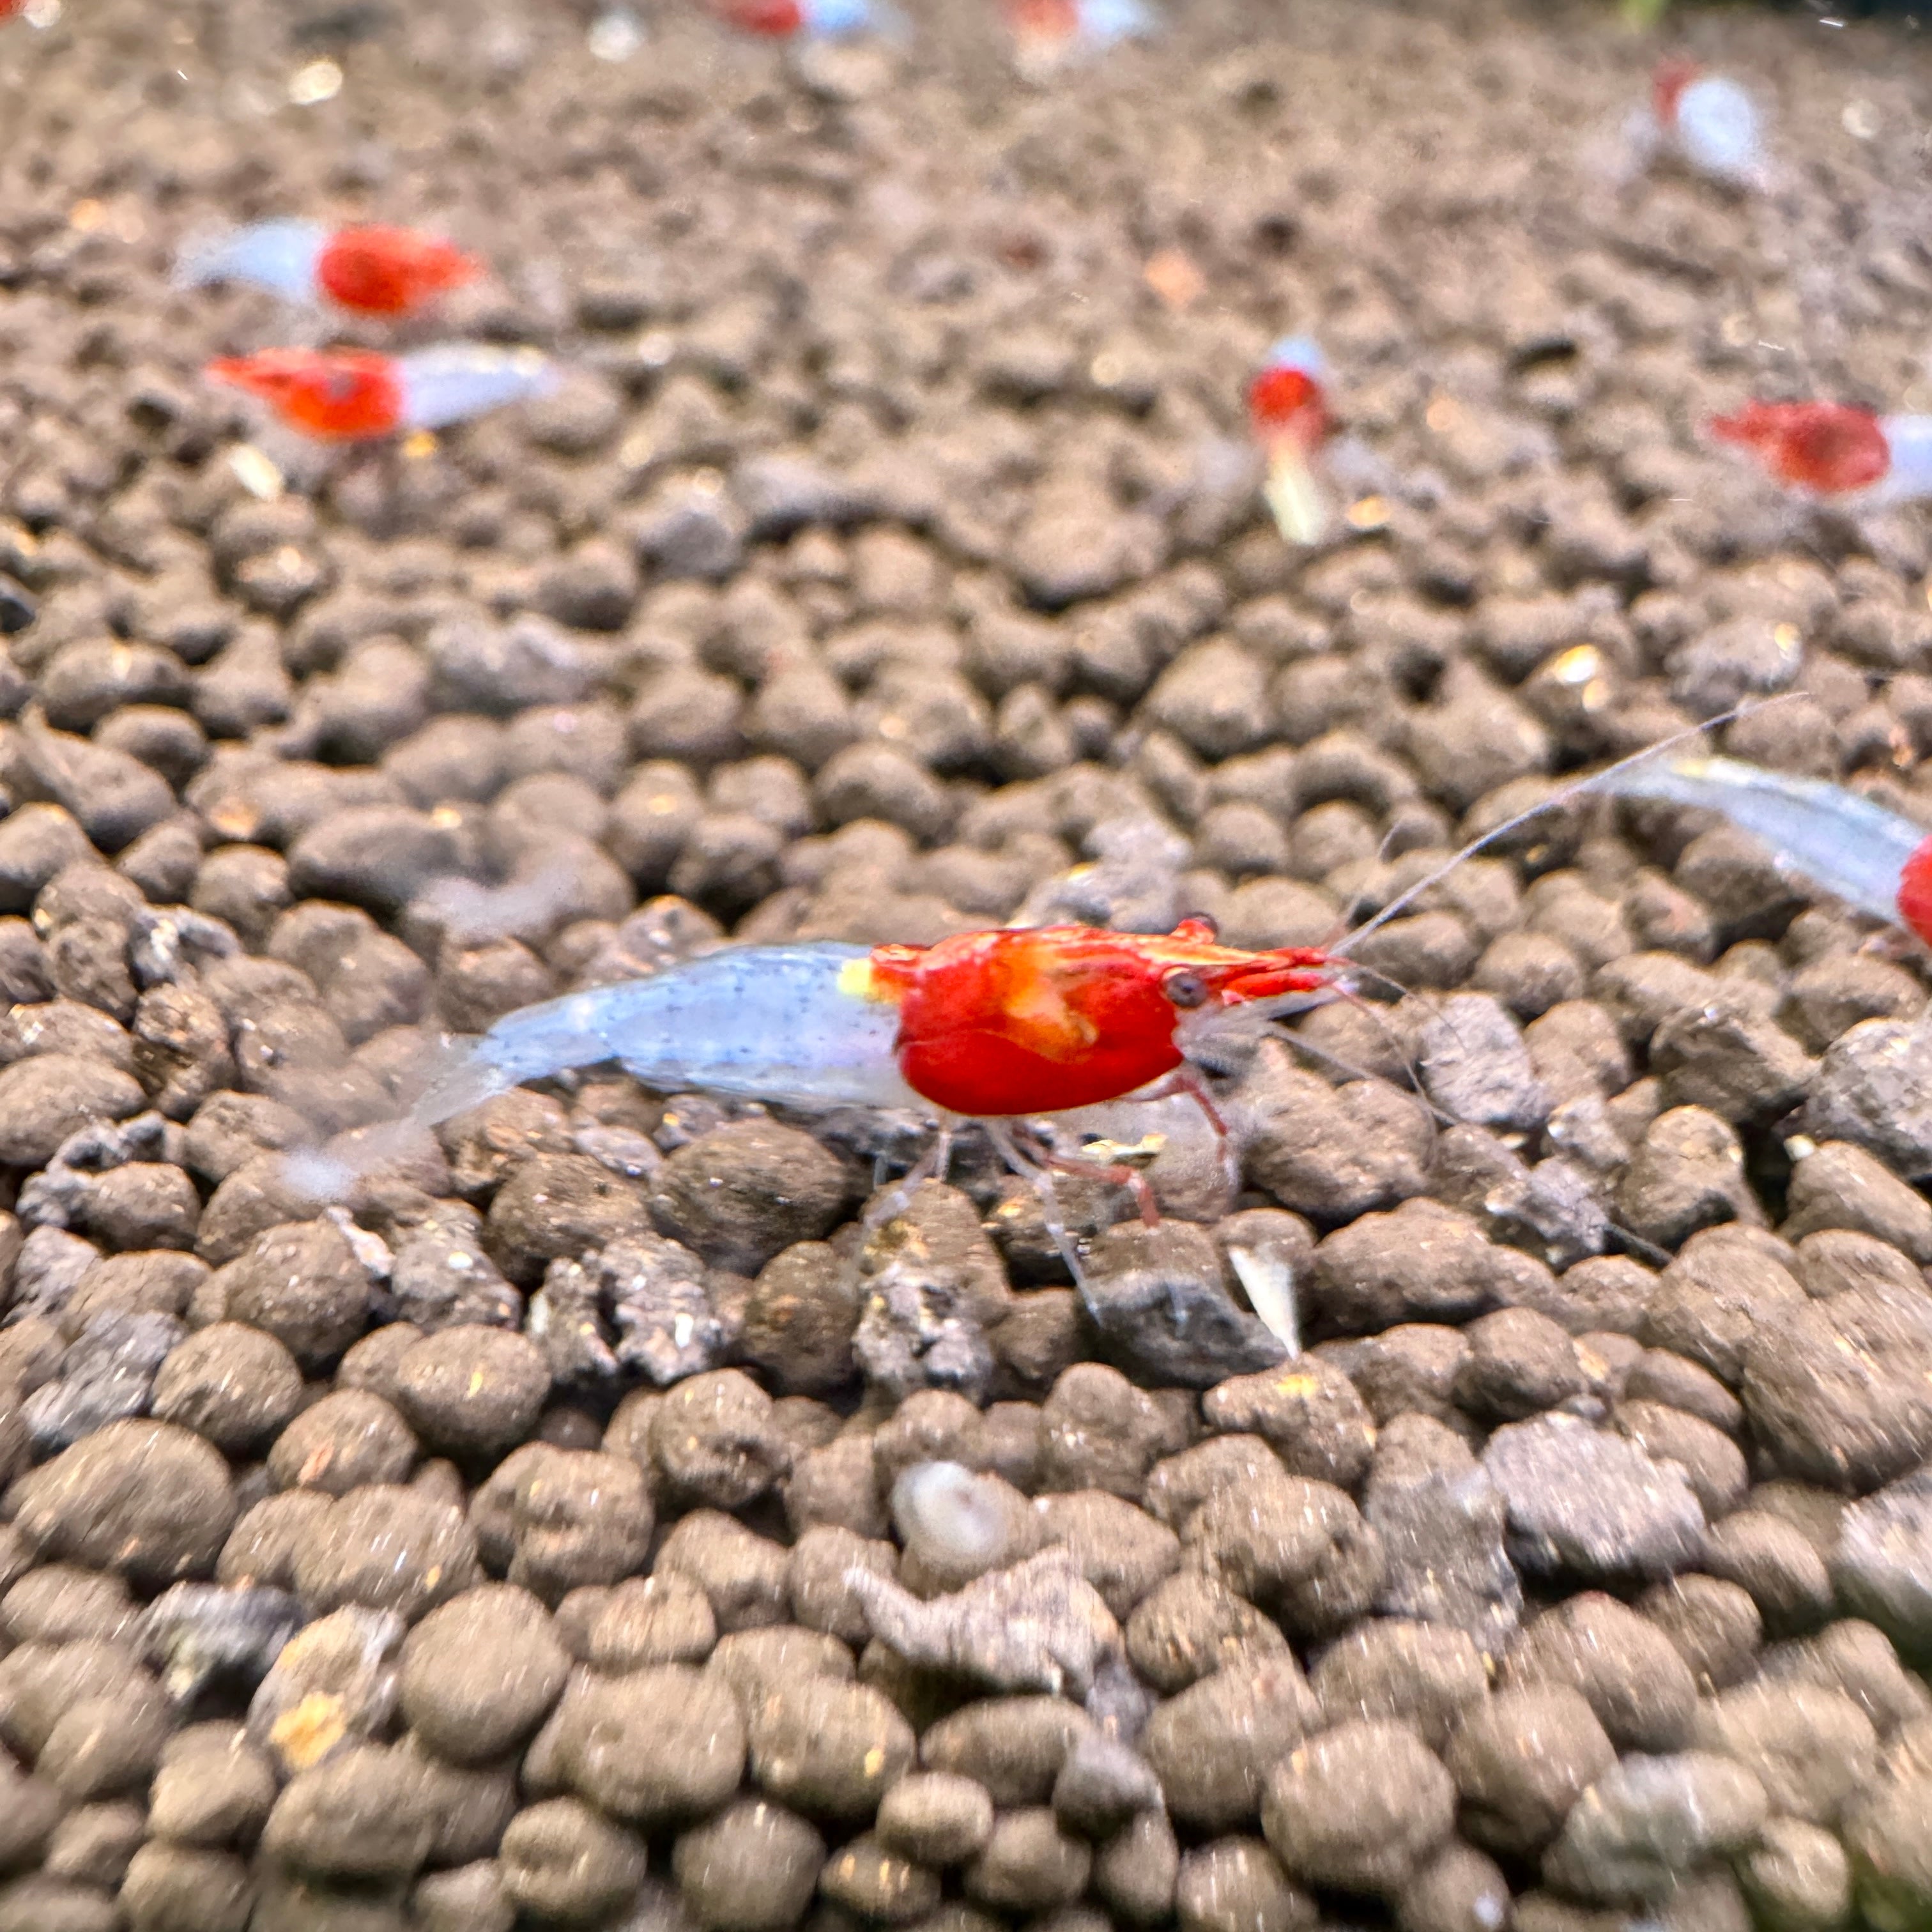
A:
356	395
1871	858
1837	451
366	269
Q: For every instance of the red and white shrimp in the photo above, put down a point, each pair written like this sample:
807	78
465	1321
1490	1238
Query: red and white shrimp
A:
1836	452
358	395
1872	859
992	1026
1287	411
1050	35
1710	122
810	20
366	270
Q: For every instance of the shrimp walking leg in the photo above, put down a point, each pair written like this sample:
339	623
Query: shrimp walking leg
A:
1001	1135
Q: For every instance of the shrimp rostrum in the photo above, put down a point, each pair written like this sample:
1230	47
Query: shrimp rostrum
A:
995	1027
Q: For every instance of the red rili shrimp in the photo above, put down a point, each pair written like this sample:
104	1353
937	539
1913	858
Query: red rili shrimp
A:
1288	410
989	1026
358	395
1836	450
1048	33
807	19
366	270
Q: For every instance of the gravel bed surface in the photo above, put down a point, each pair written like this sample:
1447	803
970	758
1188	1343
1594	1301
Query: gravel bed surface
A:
586	1517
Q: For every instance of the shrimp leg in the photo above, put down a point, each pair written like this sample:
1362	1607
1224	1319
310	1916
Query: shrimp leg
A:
1871	858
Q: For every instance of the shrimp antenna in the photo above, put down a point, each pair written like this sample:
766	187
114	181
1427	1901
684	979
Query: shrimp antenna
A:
1404	900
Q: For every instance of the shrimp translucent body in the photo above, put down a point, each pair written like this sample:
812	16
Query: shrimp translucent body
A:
762	1022
278	255
1870	857
1717	126
1909	439
456	380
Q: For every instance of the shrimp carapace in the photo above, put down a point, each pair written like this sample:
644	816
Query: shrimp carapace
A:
335	395
1828	448
1873	858
1039	1020
1287	412
356	395
368	269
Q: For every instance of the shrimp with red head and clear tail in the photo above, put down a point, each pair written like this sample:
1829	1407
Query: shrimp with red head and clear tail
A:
1048	35
1871	858
1837	453
358	395
1710	122
364	270
1288	410
811	20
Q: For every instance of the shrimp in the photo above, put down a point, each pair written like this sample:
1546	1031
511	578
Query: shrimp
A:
1837	450
370	271
1709	121
1288	409
1048	34
1872	859
808	19
984	1025
356	395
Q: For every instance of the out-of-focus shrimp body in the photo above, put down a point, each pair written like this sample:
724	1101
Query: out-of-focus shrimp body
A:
355	395
366	270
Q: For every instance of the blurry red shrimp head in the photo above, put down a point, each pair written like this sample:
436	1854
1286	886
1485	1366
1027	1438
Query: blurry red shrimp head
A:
1287	411
378	271
1828	448
1035	1021
1672	76
335	395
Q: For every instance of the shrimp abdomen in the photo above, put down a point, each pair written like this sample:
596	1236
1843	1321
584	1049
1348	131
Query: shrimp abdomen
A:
780	1023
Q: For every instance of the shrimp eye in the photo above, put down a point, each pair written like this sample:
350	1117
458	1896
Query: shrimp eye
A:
1185	989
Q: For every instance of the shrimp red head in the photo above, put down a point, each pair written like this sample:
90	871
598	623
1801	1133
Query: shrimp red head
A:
1039	1020
1287	399
378	270
338	395
1667	84
1829	448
